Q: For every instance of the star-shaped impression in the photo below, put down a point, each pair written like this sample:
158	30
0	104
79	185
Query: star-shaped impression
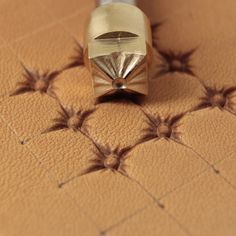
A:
221	98
175	62
154	28
35	81
162	128
77	59
69	118
108	159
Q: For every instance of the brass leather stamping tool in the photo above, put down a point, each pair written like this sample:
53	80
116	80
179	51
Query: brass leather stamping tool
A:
118	48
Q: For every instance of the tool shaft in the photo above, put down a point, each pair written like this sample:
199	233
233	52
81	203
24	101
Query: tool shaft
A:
102	2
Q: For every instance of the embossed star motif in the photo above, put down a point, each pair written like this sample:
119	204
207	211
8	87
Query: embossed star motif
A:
154	28
108	159
35	81
70	119
221	98
175	62
78	58
162	128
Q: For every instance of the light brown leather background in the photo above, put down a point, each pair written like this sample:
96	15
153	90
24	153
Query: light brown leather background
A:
179	175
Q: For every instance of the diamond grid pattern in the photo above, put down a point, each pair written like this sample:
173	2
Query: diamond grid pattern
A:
126	165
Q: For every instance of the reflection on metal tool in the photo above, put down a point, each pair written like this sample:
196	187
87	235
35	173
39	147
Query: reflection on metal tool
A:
118	46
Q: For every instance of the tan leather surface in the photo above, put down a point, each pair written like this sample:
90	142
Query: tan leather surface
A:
165	165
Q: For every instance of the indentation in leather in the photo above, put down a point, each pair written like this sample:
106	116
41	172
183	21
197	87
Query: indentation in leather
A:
77	59
175	62
221	98
34	81
162	128
69	118
155	28
108	159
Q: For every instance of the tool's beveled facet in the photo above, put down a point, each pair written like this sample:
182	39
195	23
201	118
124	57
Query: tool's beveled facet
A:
118	51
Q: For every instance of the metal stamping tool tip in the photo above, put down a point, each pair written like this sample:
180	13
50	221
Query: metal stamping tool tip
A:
118	46
102	2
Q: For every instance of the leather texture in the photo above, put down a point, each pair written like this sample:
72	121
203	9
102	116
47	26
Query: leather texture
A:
164	165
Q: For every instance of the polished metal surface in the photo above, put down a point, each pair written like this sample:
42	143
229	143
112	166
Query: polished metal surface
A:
102	2
120	71
117	51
